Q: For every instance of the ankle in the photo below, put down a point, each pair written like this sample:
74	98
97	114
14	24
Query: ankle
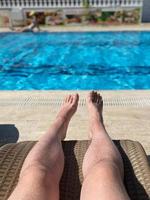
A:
96	120
97	126
61	119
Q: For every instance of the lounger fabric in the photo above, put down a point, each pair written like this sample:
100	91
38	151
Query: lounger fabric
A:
137	169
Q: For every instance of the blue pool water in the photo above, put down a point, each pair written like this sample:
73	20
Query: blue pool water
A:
102	60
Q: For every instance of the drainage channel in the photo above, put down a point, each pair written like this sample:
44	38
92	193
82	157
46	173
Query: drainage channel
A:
38	101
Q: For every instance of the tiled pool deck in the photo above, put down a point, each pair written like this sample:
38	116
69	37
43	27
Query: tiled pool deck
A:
126	114
80	28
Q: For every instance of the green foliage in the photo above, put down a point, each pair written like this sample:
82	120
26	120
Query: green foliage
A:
86	3
91	17
106	15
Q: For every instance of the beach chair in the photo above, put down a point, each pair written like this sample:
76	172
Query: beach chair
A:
136	166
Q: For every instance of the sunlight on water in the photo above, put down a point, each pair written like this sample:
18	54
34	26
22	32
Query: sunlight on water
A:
103	60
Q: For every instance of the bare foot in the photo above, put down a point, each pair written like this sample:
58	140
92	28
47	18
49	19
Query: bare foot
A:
67	110
95	108
69	107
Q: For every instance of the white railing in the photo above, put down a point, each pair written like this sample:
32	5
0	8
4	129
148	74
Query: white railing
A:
5	4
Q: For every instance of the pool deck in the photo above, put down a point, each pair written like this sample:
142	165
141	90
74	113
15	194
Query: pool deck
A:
94	28
126	114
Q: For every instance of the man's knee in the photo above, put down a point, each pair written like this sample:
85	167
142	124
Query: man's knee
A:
34	182
114	163
33	173
105	169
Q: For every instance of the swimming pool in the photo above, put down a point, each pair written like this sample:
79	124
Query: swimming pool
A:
86	60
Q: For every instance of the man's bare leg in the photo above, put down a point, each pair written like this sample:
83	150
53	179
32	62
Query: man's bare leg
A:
43	167
102	166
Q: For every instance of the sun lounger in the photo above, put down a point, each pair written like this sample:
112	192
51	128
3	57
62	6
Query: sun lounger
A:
137	169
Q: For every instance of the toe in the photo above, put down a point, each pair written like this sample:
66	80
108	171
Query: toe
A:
90	96
69	98
100	100
66	99
75	99
95	97
98	97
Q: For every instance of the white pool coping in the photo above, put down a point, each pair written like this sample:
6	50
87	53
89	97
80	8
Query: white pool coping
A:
94	28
